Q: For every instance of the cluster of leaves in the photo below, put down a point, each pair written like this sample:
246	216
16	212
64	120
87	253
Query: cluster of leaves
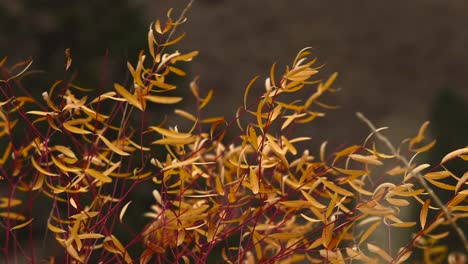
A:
255	199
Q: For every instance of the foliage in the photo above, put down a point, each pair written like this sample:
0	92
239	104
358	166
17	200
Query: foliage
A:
255	199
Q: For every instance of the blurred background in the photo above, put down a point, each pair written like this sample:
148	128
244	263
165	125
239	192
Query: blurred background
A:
399	62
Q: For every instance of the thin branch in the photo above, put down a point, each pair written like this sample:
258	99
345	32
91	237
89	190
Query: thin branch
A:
420	177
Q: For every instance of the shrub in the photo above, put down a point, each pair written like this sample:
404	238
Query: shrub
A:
256	199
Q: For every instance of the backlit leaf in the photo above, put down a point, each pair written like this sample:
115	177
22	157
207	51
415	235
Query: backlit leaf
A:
423	213
22	225
163	99
128	96
112	146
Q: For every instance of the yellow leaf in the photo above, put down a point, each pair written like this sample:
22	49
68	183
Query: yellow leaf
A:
285	235
163	99
71	250
62	166
327	233
55	229
12	215
170	133
185	114
177	71
247	89
425	148
454	154
185	57
312	200
437	175
366	159
442	185
415	171
254	180
172	42
112	147
335	188
162	85
369	231
151	41
40	113
206	100
9	202
404	224
40	169
74	129
174	141
64	150
253	137
90	236
359	189
310	219
84	215
423	213
51	122
128	96
375	249
124	209
398	202
6	153
181	163
98	175
22	225
461	182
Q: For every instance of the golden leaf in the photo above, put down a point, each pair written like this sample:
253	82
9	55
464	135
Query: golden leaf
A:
112	146
181	163
74	129
90	236
423	213
247	89
98	175
437	175
42	170
207	99
170	133
285	235
71	250
185	57
9	202
254	180
335	188
185	114
442	185
151	41
55	229
128	96
172	42
12	215
375	249
366	159
174	141
124	209
415	171
163	99
369	231
22	225
461	182
404	224
312	200
454	154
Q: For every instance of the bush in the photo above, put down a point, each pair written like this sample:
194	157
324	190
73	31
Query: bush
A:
256	199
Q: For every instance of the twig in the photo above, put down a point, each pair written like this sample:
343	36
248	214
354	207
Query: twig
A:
420	177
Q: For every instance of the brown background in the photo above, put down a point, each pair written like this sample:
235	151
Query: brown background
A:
393	57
